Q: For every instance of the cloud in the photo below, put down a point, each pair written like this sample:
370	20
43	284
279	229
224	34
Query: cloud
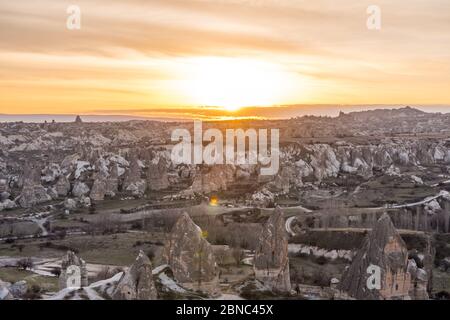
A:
133	48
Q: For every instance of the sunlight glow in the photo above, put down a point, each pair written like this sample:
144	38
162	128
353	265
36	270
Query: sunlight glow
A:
233	83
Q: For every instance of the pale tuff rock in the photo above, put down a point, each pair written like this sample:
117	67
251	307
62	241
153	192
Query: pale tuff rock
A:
137	189
271	262
85	201
157	175
432	207
33	192
124	136
51	191
98	140
137	283
324	161
165	282
3	186
112	183
7	205
18	289
70	204
384	248
101	168
35	145
80	189
93	155
162	277
119	161
100	290
304	168
262	198
439	153
5	294
70	161
5	141
191	257
70	266
62	186
320	252
133	184
282	181
4	194
419	277
447	157
417	180
212	179
82	169
98	190
186	172
242	174
51	172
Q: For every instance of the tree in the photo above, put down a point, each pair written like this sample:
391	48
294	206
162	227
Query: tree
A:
25	264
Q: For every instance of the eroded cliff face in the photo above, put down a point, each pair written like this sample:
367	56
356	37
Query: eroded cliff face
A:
191	257
321	161
271	262
125	159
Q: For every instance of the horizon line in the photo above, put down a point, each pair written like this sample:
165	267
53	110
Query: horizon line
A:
227	115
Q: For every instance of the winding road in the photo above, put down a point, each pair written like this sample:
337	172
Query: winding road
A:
442	194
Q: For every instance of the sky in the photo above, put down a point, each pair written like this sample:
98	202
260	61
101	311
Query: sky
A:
200	58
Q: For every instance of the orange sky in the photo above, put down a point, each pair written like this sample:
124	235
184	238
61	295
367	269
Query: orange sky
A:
135	56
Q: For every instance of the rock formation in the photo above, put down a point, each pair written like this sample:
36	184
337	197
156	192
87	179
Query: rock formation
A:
98	190
191	257
18	289
5	294
3	186
73	272
133	184
271	262
157	175
62	186
419	277
137	283
80	189
214	178
70	204
112	182
383	248
33	192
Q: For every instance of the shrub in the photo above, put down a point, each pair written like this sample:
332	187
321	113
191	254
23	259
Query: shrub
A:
320	278
33	292
56	271
25	264
321	260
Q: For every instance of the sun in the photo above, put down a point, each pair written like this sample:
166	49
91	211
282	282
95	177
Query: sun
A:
231	107
233	83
